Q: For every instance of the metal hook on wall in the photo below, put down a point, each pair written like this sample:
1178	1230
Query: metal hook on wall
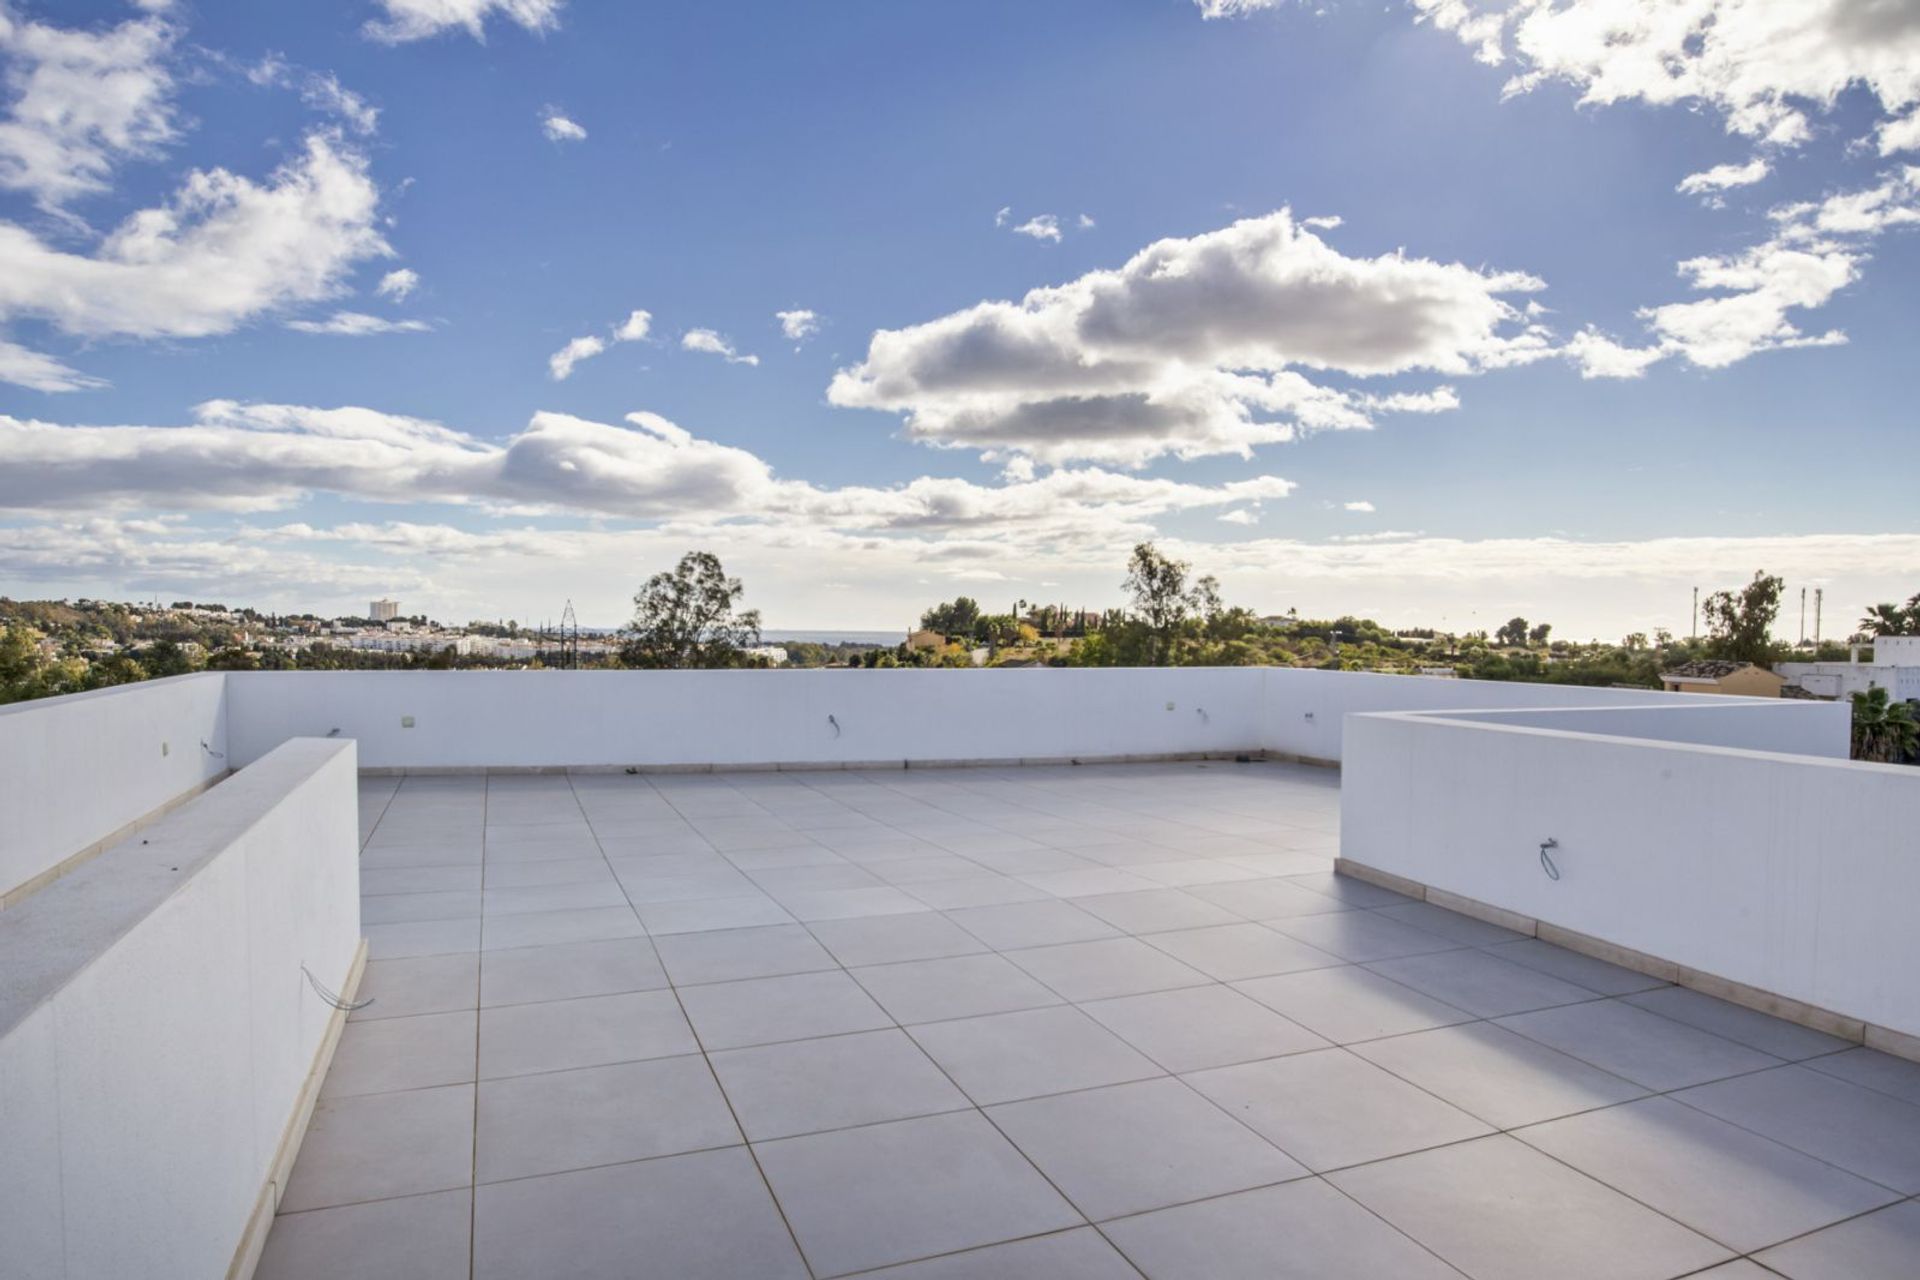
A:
1547	863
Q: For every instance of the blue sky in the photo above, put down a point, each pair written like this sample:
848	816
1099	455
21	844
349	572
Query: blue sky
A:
1571	439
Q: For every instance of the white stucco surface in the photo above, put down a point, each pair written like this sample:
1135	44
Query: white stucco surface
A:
1794	874
156	1029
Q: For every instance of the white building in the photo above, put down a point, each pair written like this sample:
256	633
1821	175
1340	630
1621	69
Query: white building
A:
383	610
1895	668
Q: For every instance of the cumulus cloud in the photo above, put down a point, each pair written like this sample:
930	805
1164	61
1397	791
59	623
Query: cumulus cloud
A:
1044	226
419	19
253	457
1723	177
80	102
1764	65
634	328
398	284
713	344
224	250
1194	347
357	324
1240	516
561	363
1816	249
559	128
322	91
1361	506
797	325
39	372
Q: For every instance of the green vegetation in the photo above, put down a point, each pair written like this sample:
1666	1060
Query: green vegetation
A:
1893	619
1883	730
689	618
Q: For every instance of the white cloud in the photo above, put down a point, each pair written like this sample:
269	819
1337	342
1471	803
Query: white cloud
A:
560	364
398	284
1361	506
39	372
1002	214
1194	347
1240	516
1762	64
1234	8
1817	248
357	324
253	457
1086	222
560	129
1042	227
797	326
711	343
222	251
1723	177
80	102
418	19
634	328
1324	222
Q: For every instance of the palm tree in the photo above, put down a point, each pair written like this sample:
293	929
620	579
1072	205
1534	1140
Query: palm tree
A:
1893	619
1882	729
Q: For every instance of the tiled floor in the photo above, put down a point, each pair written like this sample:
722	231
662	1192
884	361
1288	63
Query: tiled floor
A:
1068	1022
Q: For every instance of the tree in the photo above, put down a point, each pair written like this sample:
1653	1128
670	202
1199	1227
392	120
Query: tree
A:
957	619
1893	619
1513	634
1740	623
1158	585
1883	730
1538	635
688	618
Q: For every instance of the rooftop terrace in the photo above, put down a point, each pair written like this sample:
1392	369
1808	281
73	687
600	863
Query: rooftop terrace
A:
1081	1022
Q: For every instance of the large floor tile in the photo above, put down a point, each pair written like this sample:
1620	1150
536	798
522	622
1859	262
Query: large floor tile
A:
894	939
1596	976
380	1145
559	1035
1448	924
1349	1004
1863	1132
1155	910
728	1015
1301	1230
1743	1190
890	1193
1266	899
421	938
1644	1047
1079	1254
421	1237
402	1053
1483	985
1030	924
808	1086
1756	1030
569	970
1361	936
1503	1078
1872	1069
1329	1109
1232	951
1499	1210
699	1215
543	928
1879	1246
696	916
954	987
729	955
1192	1028
1105	968
1008	1056
419	984
1132	1147
560	1120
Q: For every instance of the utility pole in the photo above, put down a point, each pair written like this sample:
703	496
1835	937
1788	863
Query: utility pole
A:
1803	615
1819	594
1696	613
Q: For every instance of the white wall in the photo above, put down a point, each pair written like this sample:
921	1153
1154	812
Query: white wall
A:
588	718
156	1030
1761	724
1304	709
76	769
1795	875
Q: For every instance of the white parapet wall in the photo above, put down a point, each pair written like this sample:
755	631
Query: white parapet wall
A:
80	769
158	1038
1789	877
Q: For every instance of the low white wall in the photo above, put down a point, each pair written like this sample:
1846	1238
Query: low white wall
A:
600	718
1762	724
77	769
1791	874
155	1027
1304	709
